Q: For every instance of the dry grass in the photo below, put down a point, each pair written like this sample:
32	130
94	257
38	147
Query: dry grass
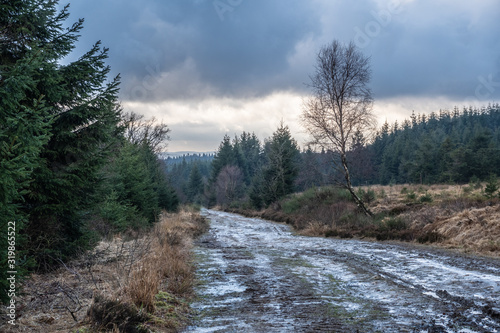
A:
472	229
169	261
315	228
452	216
459	216
121	283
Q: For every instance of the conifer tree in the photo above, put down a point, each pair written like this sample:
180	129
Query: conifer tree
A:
491	186
223	157
24	130
252	153
280	172
80	114
195	184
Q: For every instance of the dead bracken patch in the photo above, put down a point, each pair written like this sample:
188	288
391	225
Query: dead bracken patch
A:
107	315
474	229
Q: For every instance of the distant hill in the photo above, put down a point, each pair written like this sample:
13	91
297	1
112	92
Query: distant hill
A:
175	154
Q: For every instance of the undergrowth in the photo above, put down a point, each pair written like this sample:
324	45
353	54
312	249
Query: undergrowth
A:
156	281
402	212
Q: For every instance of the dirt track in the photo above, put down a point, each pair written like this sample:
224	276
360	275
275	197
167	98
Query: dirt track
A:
257	276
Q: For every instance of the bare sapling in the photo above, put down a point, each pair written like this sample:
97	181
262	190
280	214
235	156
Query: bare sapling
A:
341	105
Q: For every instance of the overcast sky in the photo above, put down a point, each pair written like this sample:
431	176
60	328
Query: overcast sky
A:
211	67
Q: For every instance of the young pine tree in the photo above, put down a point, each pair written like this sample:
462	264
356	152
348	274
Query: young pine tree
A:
282	155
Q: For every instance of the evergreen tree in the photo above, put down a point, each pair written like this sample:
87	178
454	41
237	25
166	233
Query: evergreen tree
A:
491	186
424	168
282	154
360	160
24	130
223	157
451	147
195	184
167	196
309	174
84	113
252	154
445	162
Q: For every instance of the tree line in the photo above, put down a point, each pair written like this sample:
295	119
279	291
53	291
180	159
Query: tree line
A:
457	146
73	166
446	147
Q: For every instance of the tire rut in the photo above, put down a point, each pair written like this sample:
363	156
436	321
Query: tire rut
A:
256	276
457	307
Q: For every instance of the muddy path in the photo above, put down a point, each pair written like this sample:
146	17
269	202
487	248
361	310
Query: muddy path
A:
257	276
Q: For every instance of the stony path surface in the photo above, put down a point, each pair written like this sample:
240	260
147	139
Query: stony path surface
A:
257	276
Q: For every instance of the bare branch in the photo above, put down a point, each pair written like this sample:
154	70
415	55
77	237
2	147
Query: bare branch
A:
149	132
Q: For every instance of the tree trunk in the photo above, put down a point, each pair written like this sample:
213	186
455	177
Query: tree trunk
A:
349	187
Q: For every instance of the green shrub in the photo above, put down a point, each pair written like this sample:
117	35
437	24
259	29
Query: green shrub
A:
411	196
491	186
395	223
367	196
314	197
293	204
427	197
332	194
347	218
468	189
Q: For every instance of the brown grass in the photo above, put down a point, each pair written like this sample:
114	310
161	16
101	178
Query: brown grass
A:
458	216
123	282
472	229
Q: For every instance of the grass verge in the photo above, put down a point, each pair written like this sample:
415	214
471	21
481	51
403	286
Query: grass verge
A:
136	282
453	216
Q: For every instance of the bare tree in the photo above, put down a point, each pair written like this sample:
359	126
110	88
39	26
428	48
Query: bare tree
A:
341	105
229	185
149	132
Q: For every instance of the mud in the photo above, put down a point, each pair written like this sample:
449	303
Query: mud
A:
258	276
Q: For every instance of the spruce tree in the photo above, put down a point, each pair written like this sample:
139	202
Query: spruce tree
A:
282	154
24	130
224	156
195	184
252	154
73	107
491	186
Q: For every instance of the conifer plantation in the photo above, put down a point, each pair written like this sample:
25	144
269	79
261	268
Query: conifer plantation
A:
68	174
448	147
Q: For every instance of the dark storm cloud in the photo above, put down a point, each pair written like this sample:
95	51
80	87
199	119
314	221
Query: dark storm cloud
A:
180	49
232	50
437	48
